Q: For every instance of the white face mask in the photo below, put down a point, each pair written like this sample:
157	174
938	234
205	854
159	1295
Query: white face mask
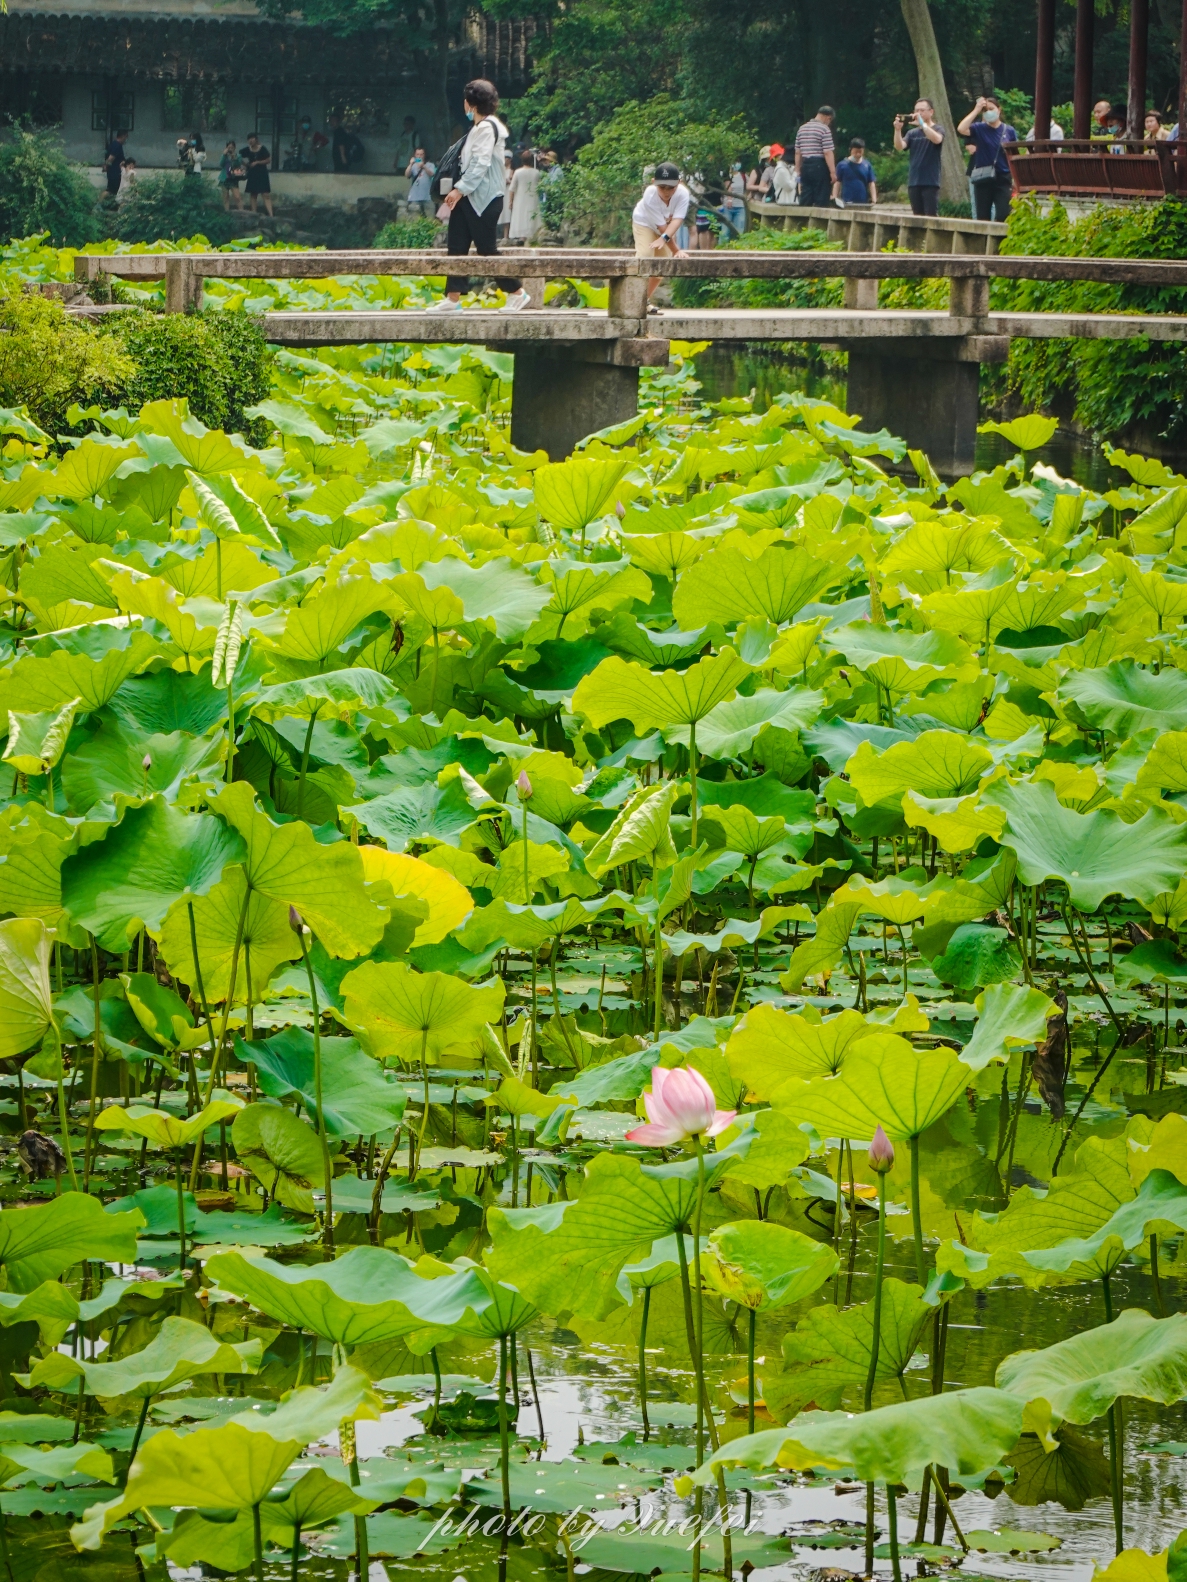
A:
993	117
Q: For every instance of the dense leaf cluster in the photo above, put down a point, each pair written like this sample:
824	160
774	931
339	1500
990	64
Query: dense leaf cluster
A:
395	817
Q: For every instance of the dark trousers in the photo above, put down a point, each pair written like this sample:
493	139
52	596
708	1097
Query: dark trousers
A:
466	227
816	185
992	198
924	200
113	179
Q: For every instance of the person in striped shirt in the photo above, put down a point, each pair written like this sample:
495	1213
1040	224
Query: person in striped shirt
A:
815	160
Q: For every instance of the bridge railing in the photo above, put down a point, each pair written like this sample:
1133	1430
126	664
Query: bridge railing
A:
626	276
1095	168
577	371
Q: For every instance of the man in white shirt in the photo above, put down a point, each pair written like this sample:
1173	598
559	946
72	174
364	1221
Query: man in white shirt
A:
658	215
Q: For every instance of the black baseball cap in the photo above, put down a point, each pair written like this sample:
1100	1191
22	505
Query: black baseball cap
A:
667	174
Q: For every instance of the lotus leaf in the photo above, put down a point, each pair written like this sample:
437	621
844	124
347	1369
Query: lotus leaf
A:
966	1431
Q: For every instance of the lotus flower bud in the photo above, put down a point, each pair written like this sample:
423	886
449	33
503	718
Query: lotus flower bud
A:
295	922
523	785
146	762
619	509
881	1154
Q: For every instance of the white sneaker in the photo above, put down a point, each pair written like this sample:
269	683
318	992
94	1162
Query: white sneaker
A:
515	302
446	305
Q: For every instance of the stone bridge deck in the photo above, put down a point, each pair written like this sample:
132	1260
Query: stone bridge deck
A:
913	371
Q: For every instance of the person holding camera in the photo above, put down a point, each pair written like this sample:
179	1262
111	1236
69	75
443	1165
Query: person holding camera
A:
990	175
923	143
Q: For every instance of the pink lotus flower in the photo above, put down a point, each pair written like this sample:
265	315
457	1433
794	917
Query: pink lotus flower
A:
523	785
680	1104
881	1154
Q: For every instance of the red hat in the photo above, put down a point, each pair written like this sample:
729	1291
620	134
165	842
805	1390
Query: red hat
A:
776	150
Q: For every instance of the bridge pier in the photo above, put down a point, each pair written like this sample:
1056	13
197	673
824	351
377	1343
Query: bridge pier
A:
924	390
563	393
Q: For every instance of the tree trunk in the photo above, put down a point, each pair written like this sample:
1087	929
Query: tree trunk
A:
442	39
954	187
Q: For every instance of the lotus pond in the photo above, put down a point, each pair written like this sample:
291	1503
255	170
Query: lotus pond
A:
612	1018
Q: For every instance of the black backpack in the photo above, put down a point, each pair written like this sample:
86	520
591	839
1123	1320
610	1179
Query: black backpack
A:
449	166
354	150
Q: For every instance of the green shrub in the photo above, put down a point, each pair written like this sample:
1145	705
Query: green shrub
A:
1113	384
595	197
48	361
167	207
409	234
816	293
890	168
219	361
40	190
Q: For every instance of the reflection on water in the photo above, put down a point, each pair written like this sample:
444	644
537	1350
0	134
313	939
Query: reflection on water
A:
726	370
588	1393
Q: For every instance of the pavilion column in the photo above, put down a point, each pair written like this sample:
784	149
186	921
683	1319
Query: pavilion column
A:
1183	74
1139	30
1082	97
1045	68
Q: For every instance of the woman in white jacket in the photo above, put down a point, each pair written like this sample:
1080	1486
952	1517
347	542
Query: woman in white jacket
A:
475	203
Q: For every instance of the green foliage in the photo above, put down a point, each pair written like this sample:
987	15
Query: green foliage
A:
423	231
41	191
219	362
429	796
765	293
173	206
599	190
48	362
1113	384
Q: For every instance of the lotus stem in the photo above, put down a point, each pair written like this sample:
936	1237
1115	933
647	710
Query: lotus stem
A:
916	1211
946	1504
924	1501
1116	1483
1158	1298
64	1123
892	1523
199	985
436	1389
692	777
699	1299
139	1429
230	729
504	1435
82	1395
751	1317
328	1235
217	1054
643	1361
180	1213
305	764
659	966
875	1339
377	1189
527	871
258	1541
86	1163
535	1395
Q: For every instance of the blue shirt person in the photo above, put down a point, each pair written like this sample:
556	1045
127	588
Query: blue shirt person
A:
856	182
